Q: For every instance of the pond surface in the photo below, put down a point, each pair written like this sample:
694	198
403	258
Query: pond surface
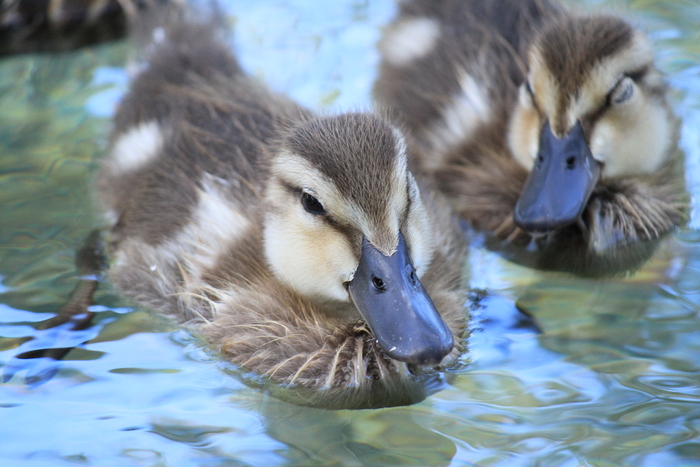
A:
614	379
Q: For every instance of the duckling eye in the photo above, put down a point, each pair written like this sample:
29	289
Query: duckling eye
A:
622	92
312	205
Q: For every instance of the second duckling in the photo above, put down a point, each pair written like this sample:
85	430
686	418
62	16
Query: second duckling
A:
301	247
548	129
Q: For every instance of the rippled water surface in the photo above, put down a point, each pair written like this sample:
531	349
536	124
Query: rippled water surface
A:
613	379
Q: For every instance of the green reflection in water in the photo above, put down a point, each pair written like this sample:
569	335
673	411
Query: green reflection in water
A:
613	380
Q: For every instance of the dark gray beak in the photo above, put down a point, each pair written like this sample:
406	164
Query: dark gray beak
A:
398	310
560	184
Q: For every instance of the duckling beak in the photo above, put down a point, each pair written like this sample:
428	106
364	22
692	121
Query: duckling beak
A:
398	310
560	183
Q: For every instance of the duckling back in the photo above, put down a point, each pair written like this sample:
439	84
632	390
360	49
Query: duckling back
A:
190	113
187	150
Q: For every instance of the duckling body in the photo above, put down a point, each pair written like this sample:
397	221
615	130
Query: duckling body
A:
274	232
550	131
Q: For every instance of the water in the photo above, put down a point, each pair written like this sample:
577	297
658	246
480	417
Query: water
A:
613	379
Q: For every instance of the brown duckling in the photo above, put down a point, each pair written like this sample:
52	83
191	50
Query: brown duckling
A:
551	131
301	247
56	25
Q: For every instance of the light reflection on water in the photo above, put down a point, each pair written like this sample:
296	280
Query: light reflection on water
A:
613	379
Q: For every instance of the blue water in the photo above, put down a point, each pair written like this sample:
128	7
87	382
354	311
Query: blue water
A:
613	379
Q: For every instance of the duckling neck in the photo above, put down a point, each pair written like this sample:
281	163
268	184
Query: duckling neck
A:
337	311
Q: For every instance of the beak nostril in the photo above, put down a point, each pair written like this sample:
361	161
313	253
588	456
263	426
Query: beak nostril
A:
378	284
571	162
413	279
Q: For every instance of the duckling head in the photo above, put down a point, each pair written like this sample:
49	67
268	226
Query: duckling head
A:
346	222
593	108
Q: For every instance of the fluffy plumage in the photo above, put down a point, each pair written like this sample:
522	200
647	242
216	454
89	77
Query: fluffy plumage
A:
477	96
209	223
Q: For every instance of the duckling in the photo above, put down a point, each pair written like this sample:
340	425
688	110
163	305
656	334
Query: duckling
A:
55	25
300	247
548	130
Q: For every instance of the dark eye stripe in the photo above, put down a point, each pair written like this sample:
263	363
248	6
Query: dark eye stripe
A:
531	93
291	188
529	90
638	74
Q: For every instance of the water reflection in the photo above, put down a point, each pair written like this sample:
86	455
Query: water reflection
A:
379	437
626	345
